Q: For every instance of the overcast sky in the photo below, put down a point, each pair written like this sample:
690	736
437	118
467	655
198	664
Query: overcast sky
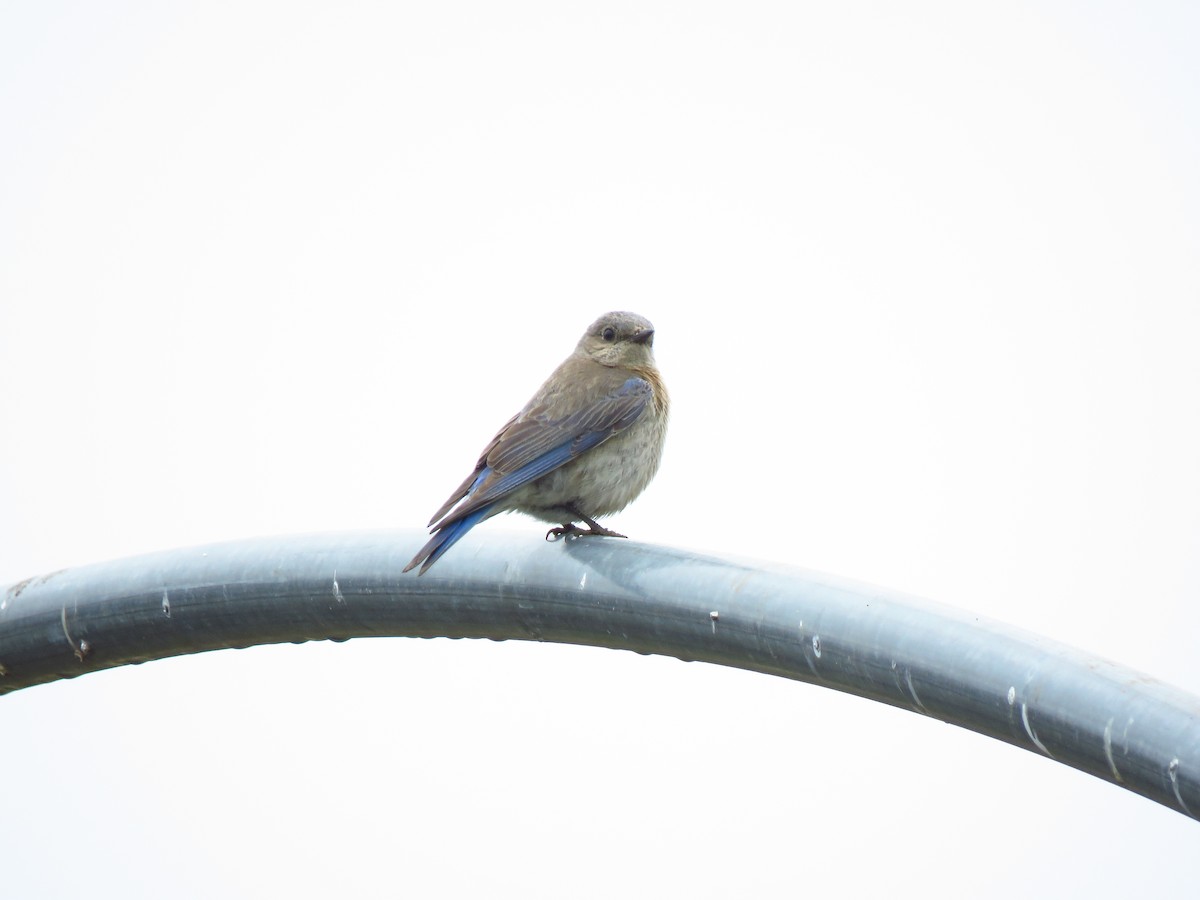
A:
926	283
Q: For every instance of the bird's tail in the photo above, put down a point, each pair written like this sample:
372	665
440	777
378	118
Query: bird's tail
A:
445	538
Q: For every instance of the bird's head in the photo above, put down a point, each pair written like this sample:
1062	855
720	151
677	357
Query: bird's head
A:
619	339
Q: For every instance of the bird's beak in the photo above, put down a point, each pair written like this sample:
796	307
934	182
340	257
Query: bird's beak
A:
645	336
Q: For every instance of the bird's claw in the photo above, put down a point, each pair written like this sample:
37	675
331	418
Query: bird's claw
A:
573	530
558	533
604	532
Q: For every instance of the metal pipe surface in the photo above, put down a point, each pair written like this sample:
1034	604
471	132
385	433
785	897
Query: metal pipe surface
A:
1088	713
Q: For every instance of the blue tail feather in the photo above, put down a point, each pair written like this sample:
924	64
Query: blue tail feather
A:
445	538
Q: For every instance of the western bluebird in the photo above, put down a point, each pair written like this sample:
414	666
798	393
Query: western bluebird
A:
585	446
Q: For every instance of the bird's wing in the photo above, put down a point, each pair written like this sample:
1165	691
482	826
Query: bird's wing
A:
545	436
472	480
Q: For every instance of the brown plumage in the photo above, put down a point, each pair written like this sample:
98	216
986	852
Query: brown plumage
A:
586	444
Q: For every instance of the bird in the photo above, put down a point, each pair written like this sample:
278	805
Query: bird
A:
585	446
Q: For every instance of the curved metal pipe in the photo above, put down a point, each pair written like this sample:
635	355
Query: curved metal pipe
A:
1088	713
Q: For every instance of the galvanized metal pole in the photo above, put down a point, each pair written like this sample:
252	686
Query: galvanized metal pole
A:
1088	713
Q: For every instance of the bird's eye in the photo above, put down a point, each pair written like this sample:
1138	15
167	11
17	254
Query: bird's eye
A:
609	333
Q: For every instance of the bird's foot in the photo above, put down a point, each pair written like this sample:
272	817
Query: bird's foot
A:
601	531
570	529
596	528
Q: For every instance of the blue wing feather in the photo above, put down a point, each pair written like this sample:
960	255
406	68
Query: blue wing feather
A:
547	462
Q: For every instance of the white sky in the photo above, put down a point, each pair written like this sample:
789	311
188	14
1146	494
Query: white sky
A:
926	279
